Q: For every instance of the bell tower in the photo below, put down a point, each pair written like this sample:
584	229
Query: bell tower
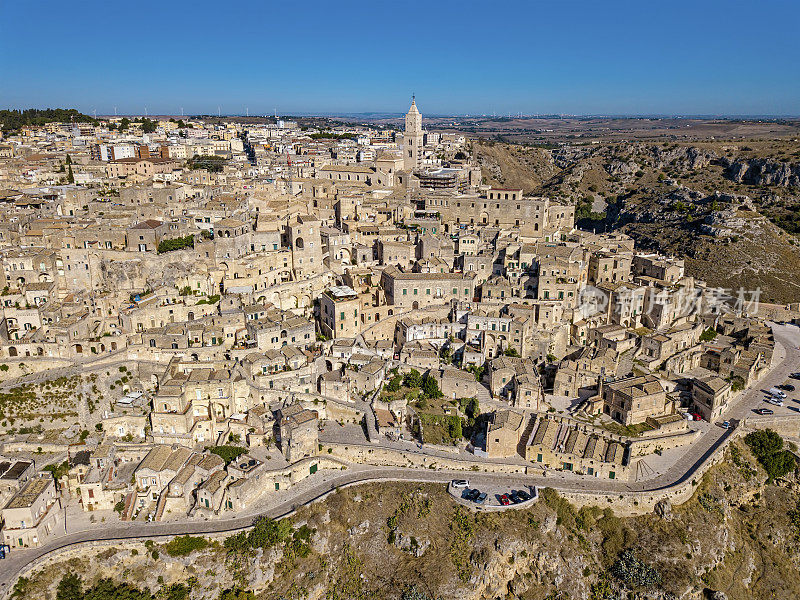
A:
412	140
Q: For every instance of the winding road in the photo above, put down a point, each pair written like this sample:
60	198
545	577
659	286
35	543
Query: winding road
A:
787	360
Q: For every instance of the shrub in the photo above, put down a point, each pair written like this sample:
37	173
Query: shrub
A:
180	243
185	545
767	446
634	572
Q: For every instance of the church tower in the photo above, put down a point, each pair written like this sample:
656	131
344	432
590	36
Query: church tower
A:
412	140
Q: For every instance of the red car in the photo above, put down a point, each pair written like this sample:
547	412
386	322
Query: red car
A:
697	416
504	500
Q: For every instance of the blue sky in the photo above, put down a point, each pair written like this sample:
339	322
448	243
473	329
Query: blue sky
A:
567	56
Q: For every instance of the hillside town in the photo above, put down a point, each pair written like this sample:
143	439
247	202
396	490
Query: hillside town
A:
201	317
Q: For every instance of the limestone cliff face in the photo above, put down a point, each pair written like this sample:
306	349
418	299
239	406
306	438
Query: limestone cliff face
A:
761	171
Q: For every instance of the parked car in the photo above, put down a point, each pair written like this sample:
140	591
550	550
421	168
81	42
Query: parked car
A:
697	416
774	401
794	376
788	387
460	483
765	411
481	498
725	424
776	393
523	495
515	497
471	494
504	500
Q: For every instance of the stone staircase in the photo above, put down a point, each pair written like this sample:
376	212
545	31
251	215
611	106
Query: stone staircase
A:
162	502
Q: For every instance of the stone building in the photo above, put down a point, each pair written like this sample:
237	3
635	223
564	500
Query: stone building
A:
298	432
31	515
633	399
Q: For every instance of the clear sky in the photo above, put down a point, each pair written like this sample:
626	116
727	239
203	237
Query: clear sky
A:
333	56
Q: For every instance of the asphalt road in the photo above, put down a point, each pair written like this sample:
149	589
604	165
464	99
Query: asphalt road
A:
787	336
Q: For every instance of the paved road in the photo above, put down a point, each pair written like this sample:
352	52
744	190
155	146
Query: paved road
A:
788	337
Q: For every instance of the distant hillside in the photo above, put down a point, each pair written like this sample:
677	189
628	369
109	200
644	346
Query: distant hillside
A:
731	209
13	120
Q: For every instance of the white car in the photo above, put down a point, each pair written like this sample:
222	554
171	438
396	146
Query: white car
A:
775	401
459	483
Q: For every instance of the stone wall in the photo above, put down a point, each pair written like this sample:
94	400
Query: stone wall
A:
642	446
390	457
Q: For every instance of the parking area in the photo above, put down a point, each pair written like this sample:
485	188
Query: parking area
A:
772	404
492	496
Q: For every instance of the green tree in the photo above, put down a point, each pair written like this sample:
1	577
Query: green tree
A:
511	351
70	176
708	335
107	589
764	442
394	384
149	126
454	428
228	453
70	588
124	123
472	409
767	446
412	379
430	388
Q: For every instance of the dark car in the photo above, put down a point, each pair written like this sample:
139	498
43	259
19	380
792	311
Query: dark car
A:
504	500
787	387
523	495
471	494
794	376
765	411
515	497
481	498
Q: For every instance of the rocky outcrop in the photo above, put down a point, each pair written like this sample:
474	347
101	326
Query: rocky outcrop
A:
762	171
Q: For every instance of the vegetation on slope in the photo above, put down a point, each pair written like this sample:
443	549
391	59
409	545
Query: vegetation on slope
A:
14	120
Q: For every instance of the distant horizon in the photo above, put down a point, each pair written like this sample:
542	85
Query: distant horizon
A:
399	115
